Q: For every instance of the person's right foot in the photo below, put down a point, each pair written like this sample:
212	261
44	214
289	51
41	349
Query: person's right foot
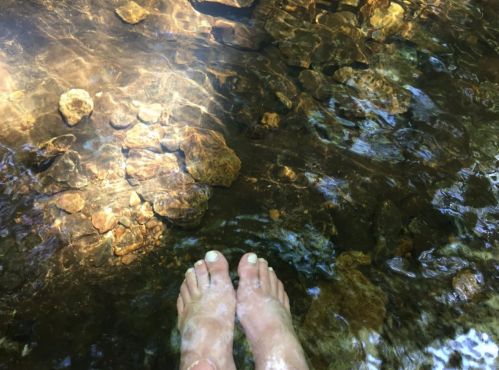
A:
264	312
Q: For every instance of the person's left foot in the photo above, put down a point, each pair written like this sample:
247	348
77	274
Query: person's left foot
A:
206	310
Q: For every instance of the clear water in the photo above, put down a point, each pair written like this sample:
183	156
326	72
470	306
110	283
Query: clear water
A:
388	223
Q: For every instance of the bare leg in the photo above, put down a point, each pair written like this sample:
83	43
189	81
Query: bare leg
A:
206	311
263	309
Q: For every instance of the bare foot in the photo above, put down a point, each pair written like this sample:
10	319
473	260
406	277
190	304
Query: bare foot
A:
206	311
263	309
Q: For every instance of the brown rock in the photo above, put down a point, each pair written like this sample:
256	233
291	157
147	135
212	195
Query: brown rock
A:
144	213
134	199
271	120
54	147
152	223
185	206
130	240
142	136
119	230
274	214
334	347
75	105
70	202
132	13
284	100
316	84
465	284
143	164
361	302
104	221
207	157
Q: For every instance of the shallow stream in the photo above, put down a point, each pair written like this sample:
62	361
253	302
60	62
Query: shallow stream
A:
368	137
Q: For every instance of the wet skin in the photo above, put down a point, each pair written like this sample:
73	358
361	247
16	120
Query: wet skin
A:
207	306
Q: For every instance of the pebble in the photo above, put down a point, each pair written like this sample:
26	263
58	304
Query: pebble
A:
104	221
153	222
125	221
128	259
134	199
271	120
274	214
75	105
145	213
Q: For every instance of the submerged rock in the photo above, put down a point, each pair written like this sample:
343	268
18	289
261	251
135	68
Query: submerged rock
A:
238	35
271	120
122	117
70	202
375	89
150	113
144	213
132	13
465	284
142	136
361	302
178	197
104	221
75	105
207	157
387	21
184	207
143	164
134	199
337	19
56	146
316	84
66	172
129	241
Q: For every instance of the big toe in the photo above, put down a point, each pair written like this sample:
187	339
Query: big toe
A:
248	271
218	267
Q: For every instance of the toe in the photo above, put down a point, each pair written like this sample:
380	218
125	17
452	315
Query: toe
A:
184	293
264	275
218	268
180	305
273	282
202	274
280	291
192	283
286	303
248	271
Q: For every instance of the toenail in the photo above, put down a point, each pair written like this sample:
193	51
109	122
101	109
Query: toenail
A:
199	263
271	269
252	258
262	260
190	270
211	256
